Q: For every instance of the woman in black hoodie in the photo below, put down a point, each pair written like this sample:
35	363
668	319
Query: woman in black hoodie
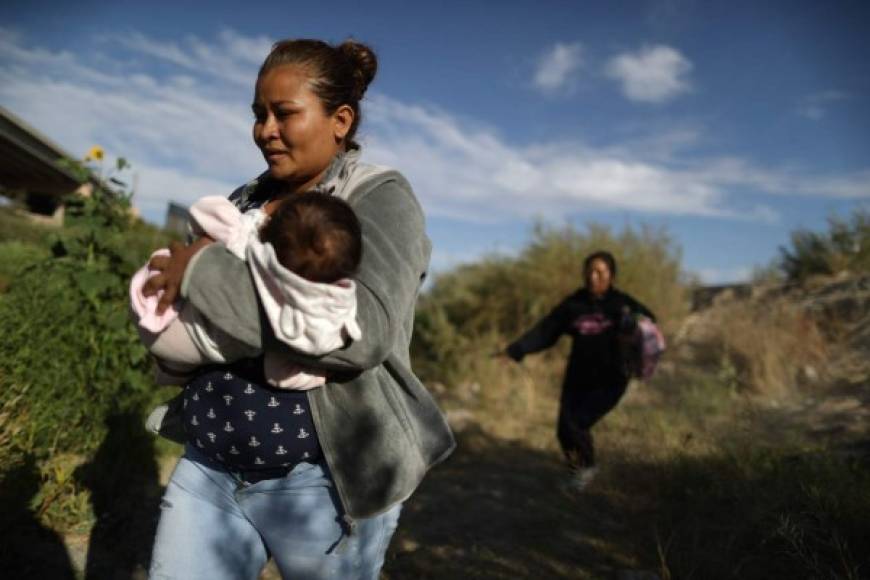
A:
600	319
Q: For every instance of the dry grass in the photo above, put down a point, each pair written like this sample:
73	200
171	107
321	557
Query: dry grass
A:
762	347
691	486
698	479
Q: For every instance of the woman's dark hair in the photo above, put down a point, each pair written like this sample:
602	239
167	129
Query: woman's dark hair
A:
605	257
340	74
315	235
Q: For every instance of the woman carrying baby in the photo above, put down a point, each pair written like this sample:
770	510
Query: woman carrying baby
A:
325	499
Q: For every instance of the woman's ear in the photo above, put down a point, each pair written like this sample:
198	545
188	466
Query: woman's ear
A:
342	120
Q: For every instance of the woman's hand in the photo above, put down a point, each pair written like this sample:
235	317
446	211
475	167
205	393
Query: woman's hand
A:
501	354
171	270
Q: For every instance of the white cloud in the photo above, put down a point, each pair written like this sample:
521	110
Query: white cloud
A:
182	139
815	107
855	185
737	174
556	68
654	74
466	172
187	133
233	58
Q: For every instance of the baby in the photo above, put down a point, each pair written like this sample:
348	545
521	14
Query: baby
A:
301	259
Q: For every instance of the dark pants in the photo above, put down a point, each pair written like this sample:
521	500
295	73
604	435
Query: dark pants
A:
581	408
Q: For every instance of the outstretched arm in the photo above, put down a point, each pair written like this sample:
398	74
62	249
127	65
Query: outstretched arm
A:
542	335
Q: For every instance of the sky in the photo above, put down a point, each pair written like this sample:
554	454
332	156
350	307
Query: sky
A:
727	124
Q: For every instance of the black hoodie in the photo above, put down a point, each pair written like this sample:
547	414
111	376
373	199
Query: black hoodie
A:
594	324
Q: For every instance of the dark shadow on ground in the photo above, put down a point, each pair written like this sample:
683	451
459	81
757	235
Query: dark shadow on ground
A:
495	511
29	549
125	493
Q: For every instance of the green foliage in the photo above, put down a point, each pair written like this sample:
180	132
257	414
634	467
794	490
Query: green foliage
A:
70	356
15	256
14	227
476	308
844	247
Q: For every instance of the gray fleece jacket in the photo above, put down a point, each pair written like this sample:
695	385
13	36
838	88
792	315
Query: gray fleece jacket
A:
379	428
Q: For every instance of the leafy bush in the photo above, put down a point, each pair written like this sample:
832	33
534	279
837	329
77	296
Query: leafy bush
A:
70	356
15	256
845	247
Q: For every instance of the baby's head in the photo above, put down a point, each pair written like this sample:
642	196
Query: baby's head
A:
317	236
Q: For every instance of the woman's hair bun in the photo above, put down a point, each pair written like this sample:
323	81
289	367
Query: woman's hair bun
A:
365	64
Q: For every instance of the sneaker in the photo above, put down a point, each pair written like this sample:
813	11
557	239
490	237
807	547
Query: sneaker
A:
580	479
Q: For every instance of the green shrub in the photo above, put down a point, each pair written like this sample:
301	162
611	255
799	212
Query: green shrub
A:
845	247
70	356
15	256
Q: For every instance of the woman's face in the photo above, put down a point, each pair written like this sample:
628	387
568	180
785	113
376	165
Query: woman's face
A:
598	277
297	137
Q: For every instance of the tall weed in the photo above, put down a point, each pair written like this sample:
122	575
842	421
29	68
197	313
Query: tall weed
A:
70	357
762	346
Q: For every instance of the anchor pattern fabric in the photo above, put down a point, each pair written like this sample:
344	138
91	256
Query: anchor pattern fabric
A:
247	427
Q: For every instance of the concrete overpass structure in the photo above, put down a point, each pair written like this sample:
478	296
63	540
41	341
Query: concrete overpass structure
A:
30	168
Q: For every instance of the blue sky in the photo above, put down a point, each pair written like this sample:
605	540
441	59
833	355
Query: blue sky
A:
728	124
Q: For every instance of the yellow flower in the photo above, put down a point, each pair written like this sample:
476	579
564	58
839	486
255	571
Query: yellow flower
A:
95	152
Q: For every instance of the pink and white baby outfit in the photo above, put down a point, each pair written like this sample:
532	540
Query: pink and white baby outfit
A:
310	317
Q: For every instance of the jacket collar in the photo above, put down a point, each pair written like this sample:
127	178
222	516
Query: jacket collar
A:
262	188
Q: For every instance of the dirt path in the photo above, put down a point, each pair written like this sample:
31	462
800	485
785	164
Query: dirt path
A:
494	510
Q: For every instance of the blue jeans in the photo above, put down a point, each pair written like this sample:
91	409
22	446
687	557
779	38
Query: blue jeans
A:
215	526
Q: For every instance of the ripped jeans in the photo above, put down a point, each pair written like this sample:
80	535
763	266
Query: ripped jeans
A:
215	526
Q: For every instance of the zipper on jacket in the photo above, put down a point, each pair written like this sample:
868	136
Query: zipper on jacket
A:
348	523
